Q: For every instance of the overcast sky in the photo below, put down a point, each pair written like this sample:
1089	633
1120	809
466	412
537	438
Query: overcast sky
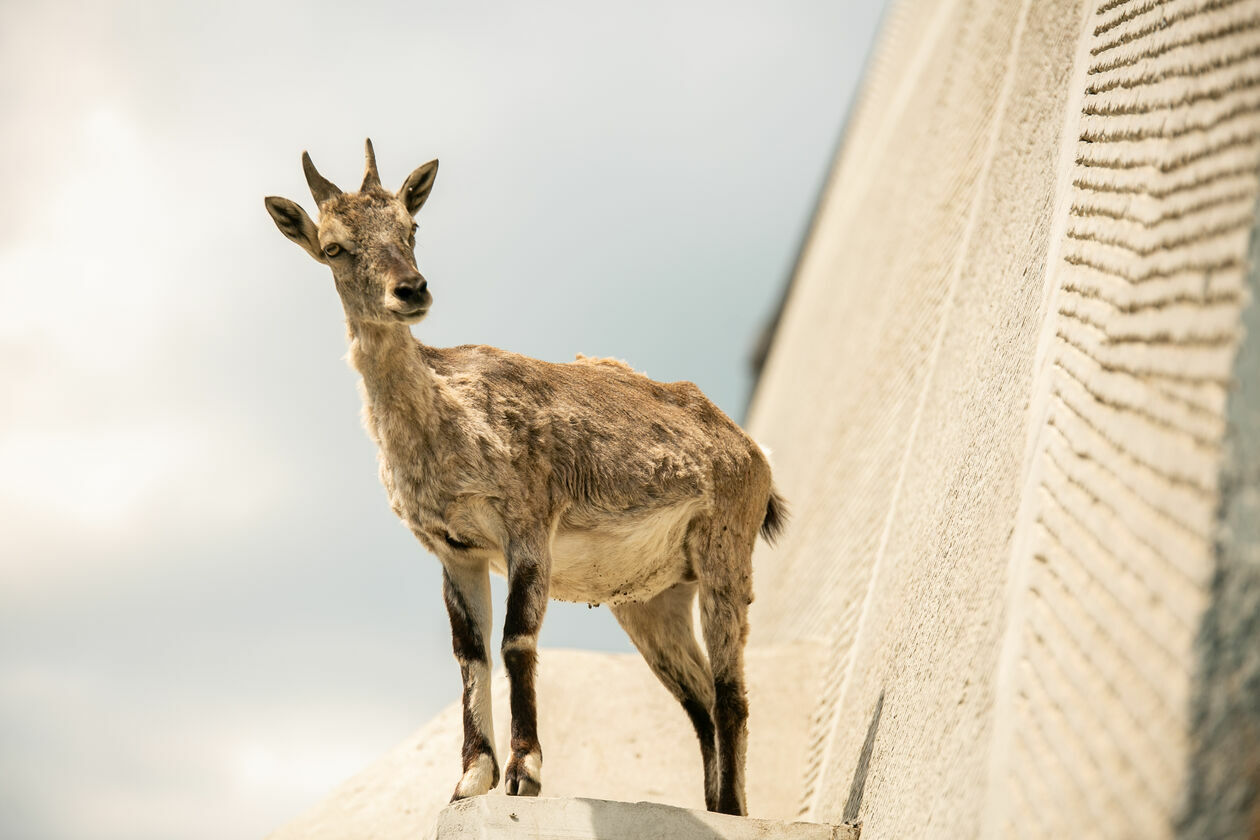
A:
208	614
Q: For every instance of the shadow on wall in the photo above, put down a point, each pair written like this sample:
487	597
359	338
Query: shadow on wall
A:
609	824
1223	783
854	802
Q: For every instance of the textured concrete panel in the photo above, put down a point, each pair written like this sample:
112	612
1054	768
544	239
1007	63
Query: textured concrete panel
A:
917	499
1015	327
1117	560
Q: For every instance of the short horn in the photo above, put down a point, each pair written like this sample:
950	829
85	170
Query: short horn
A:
371	178
321	188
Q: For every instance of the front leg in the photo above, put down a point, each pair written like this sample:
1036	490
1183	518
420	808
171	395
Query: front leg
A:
529	572
467	595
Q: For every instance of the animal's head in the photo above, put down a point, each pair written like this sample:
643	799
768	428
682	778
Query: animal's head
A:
367	238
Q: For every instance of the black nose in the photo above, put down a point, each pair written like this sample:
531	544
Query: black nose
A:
411	292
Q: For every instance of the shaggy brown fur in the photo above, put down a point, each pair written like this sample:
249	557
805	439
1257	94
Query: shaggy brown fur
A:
584	481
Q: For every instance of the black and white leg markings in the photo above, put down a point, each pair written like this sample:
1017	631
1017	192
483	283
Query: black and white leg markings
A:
526	605
467	595
724	618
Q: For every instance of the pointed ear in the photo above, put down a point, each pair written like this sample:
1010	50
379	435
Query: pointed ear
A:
295	224
417	187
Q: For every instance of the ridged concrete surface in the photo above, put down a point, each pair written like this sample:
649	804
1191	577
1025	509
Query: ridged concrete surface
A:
1146	328
997	400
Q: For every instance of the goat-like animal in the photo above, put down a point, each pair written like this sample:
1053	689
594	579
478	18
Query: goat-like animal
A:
584	481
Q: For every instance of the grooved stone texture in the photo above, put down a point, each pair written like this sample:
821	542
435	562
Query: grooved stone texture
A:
1014	404
1017	328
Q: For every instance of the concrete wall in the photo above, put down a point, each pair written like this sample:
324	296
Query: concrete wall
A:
999	399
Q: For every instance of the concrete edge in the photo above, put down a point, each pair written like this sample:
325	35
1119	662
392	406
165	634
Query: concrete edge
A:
490	817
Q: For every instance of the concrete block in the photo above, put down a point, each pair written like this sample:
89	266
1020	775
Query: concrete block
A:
495	817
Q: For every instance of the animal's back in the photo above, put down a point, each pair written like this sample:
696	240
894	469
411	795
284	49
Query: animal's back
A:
601	426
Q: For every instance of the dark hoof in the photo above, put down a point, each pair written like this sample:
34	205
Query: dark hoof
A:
517	781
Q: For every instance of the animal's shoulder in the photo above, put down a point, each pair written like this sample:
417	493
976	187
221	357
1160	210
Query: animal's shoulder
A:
465	358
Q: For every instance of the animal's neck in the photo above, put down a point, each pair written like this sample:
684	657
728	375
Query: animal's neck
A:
396	379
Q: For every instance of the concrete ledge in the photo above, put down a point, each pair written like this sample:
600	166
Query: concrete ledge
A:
609	730
493	817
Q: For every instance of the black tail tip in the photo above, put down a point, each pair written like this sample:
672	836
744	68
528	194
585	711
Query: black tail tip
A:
776	517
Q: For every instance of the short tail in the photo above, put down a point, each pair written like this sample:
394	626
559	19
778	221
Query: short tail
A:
776	517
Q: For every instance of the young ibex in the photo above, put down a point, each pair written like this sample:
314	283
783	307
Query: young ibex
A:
585	481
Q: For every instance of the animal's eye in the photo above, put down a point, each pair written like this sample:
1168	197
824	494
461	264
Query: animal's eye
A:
332	249
411	237
456	543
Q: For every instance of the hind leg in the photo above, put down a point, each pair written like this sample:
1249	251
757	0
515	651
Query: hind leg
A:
721	550
724	618
662	630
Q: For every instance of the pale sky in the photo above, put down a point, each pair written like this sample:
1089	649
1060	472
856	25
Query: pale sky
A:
208	615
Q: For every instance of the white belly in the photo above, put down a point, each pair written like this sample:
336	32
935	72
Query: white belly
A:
614	558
